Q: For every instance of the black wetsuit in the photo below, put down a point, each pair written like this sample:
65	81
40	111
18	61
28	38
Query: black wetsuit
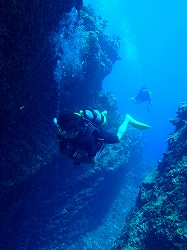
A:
144	95
90	141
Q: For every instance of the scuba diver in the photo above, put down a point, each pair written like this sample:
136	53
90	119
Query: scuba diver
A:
81	139
143	95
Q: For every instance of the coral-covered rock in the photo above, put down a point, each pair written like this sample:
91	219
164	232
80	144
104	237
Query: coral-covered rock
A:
84	56
159	219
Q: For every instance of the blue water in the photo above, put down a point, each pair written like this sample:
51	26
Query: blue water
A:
154	54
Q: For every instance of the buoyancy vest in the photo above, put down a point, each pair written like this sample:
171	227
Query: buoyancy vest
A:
86	129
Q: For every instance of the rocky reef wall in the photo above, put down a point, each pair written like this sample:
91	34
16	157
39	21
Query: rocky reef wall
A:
28	90
48	60
54	57
159	219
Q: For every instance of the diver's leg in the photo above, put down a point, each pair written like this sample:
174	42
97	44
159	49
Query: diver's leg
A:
122	129
104	113
129	120
136	124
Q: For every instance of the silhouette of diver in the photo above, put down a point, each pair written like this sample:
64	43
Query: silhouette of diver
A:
144	95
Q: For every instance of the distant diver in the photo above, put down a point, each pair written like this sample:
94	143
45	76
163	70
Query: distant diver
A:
81	140
144	95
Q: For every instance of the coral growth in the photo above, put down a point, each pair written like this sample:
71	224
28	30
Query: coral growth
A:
159	219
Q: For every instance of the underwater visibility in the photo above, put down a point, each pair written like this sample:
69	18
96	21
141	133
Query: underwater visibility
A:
93	120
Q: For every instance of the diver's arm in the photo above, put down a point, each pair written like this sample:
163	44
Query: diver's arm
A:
89	154
83	157
80	157
133	99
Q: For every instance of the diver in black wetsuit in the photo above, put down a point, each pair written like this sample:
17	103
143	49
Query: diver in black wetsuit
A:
81	139
144	95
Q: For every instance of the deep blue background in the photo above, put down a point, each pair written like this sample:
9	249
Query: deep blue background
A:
154	54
